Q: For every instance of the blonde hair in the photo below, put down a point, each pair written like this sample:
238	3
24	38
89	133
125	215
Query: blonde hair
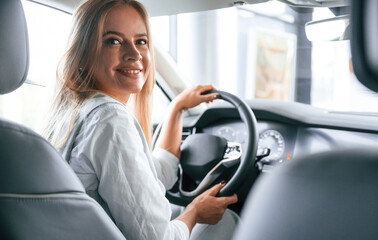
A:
75	82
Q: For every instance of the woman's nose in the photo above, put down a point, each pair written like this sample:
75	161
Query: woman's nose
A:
132	53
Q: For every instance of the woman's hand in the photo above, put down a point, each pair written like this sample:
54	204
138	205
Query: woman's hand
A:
192	96
170	135
209	208
206	208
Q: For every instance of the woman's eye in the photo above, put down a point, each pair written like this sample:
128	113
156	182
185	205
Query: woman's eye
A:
141	41
113	41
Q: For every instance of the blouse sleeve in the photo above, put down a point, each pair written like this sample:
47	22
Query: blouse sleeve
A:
166	165
126	181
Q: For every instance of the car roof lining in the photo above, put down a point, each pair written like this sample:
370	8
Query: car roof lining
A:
170	7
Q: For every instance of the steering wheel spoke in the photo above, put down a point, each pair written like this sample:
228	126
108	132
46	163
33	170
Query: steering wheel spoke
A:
230	159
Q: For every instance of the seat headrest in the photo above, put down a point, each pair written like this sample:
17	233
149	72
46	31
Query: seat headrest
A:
364	20
14	46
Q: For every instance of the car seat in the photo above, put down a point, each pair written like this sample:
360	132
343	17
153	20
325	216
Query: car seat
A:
40	195
327	195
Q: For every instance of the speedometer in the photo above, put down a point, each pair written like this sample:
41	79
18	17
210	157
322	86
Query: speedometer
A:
273	140
227	132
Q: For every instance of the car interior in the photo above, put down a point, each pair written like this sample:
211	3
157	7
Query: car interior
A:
300	172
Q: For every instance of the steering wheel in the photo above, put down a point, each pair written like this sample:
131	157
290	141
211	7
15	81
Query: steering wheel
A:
205	157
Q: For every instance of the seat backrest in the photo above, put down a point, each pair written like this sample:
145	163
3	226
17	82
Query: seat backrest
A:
40	195
329	195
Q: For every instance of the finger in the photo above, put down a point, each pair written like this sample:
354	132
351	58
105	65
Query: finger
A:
229	200
209	97
215	189
206	95
203	89
206	87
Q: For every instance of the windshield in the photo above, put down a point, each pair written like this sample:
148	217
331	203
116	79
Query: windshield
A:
261	51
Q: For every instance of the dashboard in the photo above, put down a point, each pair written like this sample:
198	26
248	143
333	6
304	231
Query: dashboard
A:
287	141
289	130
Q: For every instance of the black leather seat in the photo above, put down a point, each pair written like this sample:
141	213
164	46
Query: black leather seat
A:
40	196
328	195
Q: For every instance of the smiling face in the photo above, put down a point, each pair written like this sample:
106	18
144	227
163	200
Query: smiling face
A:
124	60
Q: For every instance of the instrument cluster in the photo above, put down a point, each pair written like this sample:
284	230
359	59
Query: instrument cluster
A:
272	136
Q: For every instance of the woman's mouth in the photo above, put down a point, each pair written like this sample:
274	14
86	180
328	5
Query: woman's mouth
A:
130	72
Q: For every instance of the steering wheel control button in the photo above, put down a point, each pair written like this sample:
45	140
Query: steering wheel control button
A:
232	154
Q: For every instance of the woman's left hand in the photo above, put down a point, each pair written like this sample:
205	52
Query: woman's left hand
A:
192	96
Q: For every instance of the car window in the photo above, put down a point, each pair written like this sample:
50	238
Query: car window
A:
261	51
47	31
160	103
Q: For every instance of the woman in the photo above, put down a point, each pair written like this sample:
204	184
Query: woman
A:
108	64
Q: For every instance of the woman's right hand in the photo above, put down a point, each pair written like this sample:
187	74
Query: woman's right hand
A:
210	208
207	208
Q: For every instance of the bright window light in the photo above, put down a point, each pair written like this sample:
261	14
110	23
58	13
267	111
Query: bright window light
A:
48	32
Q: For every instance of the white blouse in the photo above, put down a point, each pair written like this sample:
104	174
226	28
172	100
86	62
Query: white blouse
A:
108	152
